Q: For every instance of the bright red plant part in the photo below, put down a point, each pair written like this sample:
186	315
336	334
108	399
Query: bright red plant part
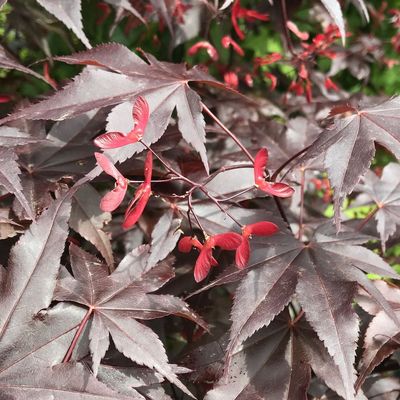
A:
112	199
113	140
272	78
294	29
262	228
231	79
211	50
226	241
137	205
249	15
277	189
227	41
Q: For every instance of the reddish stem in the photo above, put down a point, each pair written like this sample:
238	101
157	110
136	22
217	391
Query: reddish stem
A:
367	219
301	217
77	335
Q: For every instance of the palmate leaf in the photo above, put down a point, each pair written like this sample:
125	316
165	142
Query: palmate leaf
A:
349	144
32	339
275	364
322	274
117	300
164	85
28	285
384	193
29	366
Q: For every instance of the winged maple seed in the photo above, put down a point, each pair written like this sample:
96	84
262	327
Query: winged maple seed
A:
263	228
226	241
211	50
249	15
113	140
227	41
113	199
274	189
136	206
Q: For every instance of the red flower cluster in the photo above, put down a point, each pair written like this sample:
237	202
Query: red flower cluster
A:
226	241
113	199
112	140
277	189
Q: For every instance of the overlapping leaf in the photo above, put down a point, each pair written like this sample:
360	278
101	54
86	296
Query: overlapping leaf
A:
164	85
32	339
275	363
117	300
323	274
349	144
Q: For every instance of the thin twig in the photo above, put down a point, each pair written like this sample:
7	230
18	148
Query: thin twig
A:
228	132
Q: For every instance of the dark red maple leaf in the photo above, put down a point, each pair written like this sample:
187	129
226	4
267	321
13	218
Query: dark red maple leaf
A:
348	145
115	302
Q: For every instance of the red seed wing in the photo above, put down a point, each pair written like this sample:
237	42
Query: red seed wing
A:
243	254
137	206
228	241
203	264
185	244
263	228
260	162
276	189
113	199
112	140
107	166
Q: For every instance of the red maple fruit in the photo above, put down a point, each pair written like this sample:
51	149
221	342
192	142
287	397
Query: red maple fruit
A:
112	199
272	78
263	228
231	79
249	15
211	50
330	85
227	41
137	205
112	140
277	189
294	29
226	241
